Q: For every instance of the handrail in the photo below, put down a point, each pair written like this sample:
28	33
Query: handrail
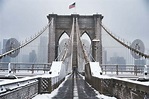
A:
123	68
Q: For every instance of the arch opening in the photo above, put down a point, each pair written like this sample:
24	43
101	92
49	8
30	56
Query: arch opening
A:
86	41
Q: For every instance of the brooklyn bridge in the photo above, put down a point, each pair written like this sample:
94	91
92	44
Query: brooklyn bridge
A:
68	60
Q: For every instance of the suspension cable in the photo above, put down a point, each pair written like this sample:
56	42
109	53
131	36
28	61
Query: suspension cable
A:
80	42
59	54
125	45
70	42
91	57
27	42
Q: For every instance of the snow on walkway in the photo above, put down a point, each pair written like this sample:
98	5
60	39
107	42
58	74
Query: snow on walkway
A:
55	92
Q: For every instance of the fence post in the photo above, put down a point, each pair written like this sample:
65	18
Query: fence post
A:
9	69
105	69
14	68
49	85
116	69
32	68
44	68
135	70
145	71
101	86
39	85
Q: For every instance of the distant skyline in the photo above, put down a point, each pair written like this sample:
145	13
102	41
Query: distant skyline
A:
129	19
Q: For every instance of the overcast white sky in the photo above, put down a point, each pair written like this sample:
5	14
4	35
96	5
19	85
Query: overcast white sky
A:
127	18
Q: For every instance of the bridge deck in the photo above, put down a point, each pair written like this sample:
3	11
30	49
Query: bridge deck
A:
75	87
66	91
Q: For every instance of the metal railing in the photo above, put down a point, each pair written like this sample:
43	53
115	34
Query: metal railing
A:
123	69
26	67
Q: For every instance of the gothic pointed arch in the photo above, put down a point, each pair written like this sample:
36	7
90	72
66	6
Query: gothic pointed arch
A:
62	36
87	43
63	23
85	35
62	40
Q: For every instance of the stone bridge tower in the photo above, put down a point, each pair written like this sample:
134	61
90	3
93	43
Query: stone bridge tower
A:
89	24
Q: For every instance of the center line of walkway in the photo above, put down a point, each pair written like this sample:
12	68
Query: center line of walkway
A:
75	89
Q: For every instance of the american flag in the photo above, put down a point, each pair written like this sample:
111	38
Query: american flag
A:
72	5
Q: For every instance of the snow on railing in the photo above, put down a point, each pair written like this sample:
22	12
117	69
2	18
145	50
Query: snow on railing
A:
8	85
